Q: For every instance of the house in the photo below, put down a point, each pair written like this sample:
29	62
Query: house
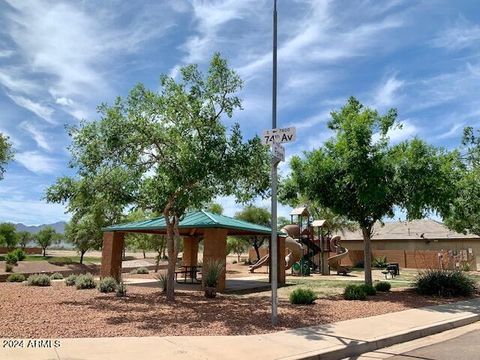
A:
418	244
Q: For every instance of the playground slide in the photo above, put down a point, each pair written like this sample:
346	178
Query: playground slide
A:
294	248
341	252
264	260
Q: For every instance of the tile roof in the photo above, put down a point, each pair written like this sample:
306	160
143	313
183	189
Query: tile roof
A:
409	230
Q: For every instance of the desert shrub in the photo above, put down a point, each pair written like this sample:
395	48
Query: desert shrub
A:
56	276
19	254
85	281
444	283
368	289
107	284
383	286
38	280
70	280
11	258
16	278
121	289
380	262
162	279
212	272
60	261
140	270
8	267
302	296
354	292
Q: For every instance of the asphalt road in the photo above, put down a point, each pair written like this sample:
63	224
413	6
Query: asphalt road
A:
464	347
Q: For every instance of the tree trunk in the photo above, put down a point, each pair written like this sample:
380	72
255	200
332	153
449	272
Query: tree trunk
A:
256	247
157	263
172	259
81	256
367	251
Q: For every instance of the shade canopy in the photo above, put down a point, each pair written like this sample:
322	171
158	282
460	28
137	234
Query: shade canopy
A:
194	224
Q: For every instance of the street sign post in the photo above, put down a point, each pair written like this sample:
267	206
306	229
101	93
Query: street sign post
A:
279	136
278	152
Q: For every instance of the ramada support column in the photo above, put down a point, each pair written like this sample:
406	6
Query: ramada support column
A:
190	251
112	255
280	260
215	248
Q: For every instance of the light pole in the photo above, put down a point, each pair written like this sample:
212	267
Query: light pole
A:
274	247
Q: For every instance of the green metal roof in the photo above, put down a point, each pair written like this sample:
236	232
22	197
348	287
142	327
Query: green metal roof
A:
196	220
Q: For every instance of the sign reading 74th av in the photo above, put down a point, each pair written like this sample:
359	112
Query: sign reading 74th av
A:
279	136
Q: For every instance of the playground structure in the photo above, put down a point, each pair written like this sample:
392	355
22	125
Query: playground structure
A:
308	251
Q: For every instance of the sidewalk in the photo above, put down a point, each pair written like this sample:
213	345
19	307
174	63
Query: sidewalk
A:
331	341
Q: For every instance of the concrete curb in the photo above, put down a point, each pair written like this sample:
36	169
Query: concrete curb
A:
350	350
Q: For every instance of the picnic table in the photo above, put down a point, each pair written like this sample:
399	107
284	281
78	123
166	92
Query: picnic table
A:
188	272
392	269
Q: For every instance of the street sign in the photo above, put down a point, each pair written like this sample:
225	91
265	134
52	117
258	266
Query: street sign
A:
279	136
278	151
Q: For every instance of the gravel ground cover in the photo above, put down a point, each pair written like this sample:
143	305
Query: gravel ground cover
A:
60	311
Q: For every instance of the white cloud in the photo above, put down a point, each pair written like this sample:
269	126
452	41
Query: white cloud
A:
386	94
322	37
461	35
17	83
31	212
37	163
210	16
36	135
42	111
70	50
6	53
406	131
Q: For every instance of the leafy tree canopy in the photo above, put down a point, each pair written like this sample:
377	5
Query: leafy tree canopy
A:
6	153
358	175
46	237
171	149
8	235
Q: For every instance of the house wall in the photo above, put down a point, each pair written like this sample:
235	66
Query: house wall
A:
420	254
417	254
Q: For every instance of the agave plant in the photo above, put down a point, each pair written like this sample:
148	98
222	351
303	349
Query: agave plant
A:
212	270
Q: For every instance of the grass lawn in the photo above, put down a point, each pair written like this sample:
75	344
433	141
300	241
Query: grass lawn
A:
326	288
74	259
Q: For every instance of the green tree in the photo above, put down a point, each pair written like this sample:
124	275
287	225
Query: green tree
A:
24	237
174	149
46	237
215	208
356	174
8	235
6	153
464	215
237	246
85	234
255	215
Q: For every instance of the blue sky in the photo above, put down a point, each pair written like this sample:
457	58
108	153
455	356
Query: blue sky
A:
59	60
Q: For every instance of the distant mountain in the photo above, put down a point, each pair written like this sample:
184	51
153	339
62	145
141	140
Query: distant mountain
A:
58	226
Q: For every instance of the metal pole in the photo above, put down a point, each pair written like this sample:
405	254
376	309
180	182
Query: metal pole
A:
274	255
